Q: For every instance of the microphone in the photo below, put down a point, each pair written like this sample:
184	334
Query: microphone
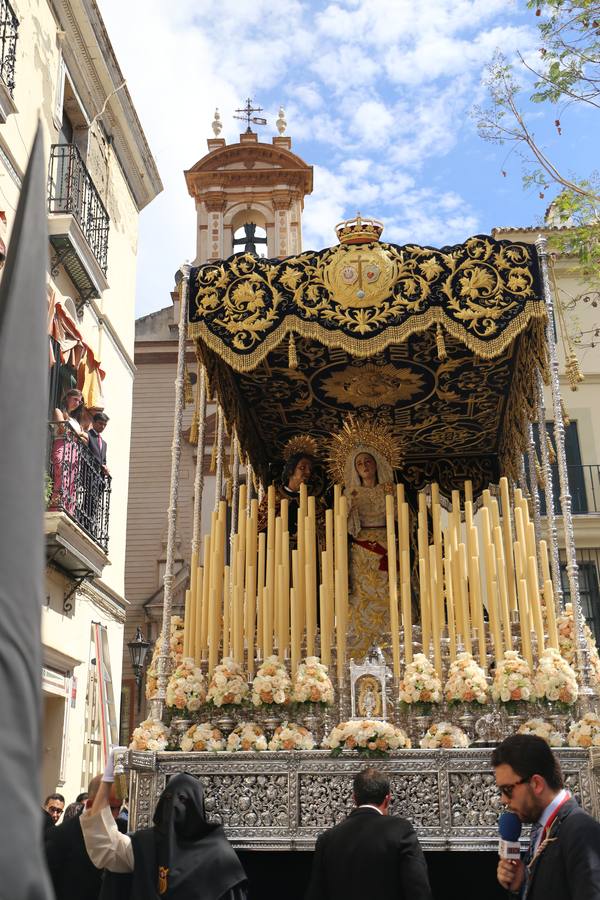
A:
509	826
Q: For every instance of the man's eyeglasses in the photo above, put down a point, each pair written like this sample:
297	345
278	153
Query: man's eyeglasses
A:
55	809
507	789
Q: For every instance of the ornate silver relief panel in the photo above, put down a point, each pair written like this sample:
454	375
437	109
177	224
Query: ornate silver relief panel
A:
284	800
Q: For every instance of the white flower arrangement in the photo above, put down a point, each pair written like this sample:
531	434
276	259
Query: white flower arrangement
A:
176	639
544	730
420	683
289	736
466	681
512	679
312	683
228	684
151	681
175	652
247	736
586	732
566	641
186	689
202	737
151	734
366	737
566	631
443	734
271	683
555	680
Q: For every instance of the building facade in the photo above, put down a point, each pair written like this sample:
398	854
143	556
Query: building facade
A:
58	65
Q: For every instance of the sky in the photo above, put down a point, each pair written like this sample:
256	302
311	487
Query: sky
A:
378	96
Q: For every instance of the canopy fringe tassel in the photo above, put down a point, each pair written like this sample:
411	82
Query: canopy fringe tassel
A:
440	343
292	355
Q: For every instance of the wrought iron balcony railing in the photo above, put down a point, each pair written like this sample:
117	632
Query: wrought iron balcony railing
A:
588	562
584	485
77	485
9	26
72	191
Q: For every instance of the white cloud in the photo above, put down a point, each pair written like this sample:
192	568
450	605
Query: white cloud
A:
345	66
384	22
355	168
423	223
308	95
375	92
409	214
374	123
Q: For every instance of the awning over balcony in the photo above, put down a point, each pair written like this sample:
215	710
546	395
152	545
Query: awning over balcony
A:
75	352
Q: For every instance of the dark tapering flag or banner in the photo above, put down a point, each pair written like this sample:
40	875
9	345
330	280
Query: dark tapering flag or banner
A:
23	411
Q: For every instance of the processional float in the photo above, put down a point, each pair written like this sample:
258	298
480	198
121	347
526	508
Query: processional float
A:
444	353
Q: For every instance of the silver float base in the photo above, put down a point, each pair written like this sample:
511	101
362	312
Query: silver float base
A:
283	800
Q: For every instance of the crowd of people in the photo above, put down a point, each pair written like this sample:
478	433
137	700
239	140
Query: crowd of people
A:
184	856
74	430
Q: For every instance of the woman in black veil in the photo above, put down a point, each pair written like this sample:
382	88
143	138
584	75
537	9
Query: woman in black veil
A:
182	857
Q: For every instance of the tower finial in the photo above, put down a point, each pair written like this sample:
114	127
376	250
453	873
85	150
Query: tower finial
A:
217	125
281	122
247	116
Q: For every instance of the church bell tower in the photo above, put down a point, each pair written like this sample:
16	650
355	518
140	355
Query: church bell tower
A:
249	195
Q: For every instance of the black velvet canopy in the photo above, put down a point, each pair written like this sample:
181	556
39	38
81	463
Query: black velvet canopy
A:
443	346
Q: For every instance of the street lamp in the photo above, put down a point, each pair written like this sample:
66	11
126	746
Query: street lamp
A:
138	648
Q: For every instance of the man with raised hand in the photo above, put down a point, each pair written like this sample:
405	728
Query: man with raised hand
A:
182	856
74	876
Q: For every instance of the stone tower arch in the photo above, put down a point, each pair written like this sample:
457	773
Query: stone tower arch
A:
249	181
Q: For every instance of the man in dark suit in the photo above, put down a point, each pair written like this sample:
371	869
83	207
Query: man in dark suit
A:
563	860
97	444
73	874
370	854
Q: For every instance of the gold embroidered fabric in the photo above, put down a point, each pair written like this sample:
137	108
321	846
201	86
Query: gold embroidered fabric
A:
366	507
365	298
461	415
368	603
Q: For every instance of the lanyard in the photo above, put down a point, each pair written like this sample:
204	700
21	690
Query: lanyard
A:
552	817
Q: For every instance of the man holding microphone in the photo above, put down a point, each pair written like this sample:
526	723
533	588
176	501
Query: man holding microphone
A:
563	859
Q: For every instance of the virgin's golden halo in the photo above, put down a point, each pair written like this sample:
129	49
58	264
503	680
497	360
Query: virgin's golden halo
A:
300	443
361	433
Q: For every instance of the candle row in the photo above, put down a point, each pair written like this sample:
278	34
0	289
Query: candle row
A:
475	571
265	599
457	581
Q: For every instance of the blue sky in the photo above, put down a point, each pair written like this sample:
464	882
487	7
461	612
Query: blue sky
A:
377	95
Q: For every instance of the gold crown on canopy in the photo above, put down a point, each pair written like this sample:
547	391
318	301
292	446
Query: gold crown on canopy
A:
300	443
361	433
358	230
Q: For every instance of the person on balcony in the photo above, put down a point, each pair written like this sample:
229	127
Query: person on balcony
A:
67	436
97	443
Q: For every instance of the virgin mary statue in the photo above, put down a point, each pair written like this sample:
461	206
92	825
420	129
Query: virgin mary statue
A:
363	457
